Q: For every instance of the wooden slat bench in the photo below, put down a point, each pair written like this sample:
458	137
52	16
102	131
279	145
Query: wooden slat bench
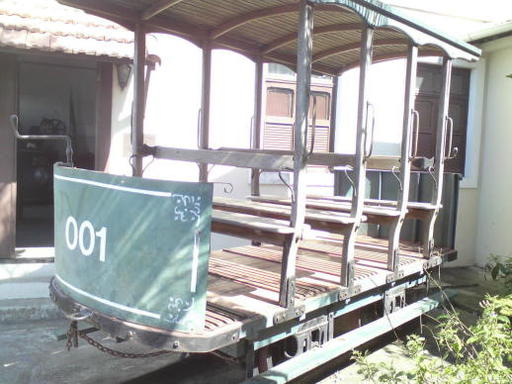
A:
374	214
263	229
318	219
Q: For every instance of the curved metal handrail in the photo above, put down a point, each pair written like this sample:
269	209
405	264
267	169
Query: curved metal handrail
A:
14	120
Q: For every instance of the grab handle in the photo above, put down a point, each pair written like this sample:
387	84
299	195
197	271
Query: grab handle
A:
69	148
452	151
368	153
415	134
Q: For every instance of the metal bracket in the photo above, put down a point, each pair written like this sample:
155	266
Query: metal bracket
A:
434	261
288	314
354	290
311	334
344	294
394	299
396	275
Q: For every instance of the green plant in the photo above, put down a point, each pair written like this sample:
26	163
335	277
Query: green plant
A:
501	269
476	354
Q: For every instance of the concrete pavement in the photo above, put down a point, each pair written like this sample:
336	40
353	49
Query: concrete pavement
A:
30	354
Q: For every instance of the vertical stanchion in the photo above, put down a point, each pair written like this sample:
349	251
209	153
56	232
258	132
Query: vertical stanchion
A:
438	173
257	121
204	126
332	125
405	157
304	59
347	260
137	133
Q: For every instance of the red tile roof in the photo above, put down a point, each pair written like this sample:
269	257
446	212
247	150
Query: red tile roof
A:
48	26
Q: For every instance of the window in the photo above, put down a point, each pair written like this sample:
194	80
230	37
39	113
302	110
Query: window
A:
280	102
280	110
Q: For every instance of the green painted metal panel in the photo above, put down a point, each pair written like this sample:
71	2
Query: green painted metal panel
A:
133	248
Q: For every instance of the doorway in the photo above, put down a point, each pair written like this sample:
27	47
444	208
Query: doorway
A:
53	99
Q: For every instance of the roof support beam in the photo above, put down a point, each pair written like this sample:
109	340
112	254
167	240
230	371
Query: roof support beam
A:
290	38
352	47
264	13
157	8
406	156
334	112
391	56
138	99
204	126
361	159
290	248
257	123
251	16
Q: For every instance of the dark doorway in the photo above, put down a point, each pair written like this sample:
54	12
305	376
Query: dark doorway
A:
429	81
54	98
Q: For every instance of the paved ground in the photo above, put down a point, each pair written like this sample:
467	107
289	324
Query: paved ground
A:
30	353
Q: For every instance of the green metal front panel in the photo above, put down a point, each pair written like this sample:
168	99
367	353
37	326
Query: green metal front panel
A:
136	249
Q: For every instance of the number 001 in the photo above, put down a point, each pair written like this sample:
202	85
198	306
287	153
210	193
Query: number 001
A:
85	237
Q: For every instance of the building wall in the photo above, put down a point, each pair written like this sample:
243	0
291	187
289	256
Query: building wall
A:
495	201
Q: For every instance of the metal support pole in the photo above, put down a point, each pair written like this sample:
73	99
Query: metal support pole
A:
138	99
304	60
256	128
204	127
358	194
334	103
405	157
438	174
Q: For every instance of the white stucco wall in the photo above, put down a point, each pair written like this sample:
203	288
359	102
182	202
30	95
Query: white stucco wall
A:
495	198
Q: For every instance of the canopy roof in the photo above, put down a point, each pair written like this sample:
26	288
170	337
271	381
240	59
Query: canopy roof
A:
267	29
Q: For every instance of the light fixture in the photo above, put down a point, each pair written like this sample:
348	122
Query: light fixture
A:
123	74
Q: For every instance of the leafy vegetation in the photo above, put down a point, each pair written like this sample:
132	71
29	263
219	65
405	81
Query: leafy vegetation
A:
468	354
501	269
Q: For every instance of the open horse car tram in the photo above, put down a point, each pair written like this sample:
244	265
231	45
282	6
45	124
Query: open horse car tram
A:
133	255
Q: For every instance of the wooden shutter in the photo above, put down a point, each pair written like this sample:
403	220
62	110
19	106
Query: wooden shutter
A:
279	119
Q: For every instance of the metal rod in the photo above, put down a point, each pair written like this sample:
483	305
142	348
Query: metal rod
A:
69	148
138	99
405	155
334	103
304	59
358	193
204	133
437	189
257	122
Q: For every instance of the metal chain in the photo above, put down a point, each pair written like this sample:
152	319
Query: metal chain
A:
74	333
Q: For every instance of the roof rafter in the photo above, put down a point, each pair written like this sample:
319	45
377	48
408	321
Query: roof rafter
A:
354	46
157	8
390	56
252	16
291	37
252	51
268	12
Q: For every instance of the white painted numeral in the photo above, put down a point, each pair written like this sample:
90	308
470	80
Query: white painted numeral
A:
85	237
86	226
71	222
102	234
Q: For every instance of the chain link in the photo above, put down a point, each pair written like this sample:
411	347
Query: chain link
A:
72	340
